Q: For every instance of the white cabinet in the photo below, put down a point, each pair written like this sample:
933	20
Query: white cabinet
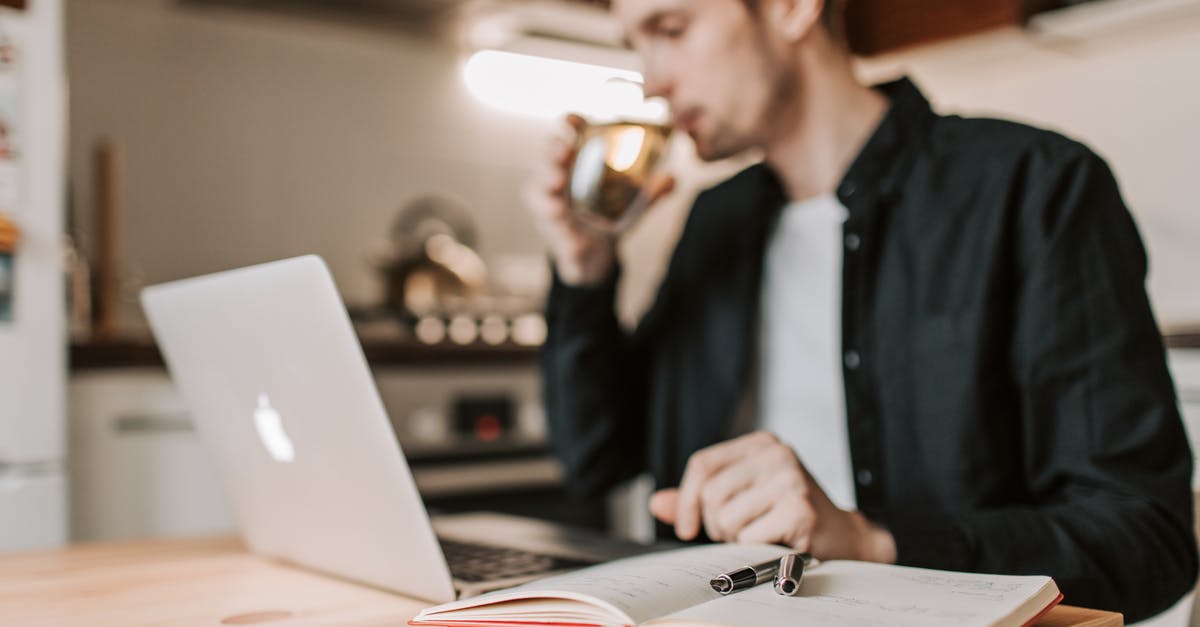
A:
137	468
33	512
1185	369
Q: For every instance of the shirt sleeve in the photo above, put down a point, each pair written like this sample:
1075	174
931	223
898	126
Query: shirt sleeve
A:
1106	460
584	386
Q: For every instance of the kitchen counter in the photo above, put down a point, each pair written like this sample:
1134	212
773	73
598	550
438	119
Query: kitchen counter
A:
1182	337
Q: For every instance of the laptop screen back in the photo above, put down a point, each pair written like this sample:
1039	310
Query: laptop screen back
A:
270	367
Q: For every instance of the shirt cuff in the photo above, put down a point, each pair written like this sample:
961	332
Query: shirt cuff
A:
583	304
929	541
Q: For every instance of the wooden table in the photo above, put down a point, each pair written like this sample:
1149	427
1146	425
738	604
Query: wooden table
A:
214	581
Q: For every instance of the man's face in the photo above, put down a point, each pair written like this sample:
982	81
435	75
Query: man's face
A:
714	63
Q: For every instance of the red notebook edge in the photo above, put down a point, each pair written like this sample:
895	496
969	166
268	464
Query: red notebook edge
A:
1046	610
415	622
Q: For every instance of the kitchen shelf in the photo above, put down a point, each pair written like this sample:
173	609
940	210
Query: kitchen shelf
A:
141	352
1182	337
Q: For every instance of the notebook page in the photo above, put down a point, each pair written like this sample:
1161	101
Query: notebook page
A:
638	588
860	594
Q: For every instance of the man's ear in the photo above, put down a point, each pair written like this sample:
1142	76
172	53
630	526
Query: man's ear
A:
796	18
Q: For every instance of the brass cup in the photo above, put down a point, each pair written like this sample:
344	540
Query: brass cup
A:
614	164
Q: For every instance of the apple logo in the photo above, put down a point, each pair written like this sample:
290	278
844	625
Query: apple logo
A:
269	425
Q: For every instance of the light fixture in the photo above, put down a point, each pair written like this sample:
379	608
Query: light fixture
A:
550	87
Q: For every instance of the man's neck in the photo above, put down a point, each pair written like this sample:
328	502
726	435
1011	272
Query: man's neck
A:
825	128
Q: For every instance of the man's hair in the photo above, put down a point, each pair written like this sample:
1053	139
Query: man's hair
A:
832	16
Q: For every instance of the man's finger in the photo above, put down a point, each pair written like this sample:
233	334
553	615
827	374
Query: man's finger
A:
773	527
544	207
576	121
663	504
788	521
544	192
745	507
733	478
702	465
562	152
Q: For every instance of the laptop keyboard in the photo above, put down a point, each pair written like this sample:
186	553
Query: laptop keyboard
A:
473	562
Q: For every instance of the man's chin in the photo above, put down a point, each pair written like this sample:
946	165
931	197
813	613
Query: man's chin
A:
709	153
704	150
711	147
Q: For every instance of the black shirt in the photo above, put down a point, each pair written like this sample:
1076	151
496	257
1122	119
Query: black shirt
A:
1008	404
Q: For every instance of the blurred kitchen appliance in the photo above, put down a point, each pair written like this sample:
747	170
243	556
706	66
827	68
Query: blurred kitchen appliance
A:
434	269
484	418
443	292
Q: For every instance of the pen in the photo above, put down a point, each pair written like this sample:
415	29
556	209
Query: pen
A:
791	571
744	577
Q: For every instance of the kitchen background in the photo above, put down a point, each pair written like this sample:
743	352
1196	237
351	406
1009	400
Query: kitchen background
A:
203	135
252	135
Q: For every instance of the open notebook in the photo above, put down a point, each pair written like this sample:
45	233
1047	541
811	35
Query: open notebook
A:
671	588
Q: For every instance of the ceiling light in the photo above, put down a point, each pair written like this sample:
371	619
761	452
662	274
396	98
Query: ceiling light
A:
548	87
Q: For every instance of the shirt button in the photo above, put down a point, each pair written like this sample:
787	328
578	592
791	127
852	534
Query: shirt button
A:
853	242
865	477
853	360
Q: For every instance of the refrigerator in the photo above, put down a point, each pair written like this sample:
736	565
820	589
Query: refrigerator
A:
33	497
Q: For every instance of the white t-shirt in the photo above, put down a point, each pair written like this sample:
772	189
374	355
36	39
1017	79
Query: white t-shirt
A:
801	390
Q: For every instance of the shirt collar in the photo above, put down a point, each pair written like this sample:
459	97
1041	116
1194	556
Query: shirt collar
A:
884	159
875	173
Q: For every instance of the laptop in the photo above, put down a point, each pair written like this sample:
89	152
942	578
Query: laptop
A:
272	371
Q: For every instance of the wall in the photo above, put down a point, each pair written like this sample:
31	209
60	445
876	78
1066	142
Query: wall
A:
247	138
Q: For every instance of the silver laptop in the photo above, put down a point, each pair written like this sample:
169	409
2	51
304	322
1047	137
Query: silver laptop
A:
274	376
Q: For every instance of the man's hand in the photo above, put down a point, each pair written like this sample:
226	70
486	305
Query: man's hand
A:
754	489
583	256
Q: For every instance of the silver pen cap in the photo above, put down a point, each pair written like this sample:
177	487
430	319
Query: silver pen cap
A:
791	571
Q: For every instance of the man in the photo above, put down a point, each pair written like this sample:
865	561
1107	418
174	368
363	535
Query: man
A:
938	326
